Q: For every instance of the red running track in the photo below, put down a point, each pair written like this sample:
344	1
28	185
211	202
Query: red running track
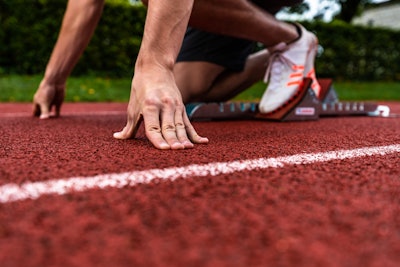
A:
335	212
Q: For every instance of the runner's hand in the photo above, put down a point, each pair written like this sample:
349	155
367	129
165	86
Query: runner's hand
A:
45	98
158	102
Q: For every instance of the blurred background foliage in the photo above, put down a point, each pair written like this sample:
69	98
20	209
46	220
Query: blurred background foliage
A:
356	52
29	30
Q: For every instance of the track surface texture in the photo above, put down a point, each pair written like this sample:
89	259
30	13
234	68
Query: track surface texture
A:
201	207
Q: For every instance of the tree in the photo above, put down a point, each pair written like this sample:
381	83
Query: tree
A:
347	8
350	8
298	9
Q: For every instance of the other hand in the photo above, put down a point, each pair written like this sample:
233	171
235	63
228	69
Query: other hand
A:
47	96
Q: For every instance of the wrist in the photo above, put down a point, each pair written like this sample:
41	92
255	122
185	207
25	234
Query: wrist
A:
55	78
154	61
53	81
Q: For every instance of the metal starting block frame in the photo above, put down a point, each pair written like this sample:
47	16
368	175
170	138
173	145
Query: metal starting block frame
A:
304	106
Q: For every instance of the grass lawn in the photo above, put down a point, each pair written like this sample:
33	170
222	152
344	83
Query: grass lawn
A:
16	88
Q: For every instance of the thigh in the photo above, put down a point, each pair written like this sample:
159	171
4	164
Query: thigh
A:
204	56
195	78
226	51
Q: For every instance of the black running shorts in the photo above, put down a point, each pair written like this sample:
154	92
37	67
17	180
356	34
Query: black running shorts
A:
226	51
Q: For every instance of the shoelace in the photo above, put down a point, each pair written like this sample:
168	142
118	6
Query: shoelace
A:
276	67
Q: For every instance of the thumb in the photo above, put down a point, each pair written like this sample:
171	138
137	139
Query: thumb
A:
130	130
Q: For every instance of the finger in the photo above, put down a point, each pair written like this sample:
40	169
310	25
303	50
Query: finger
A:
45	112
181	130
130	130
36	106
191	132
41	110
168	125
58	102
42	107
151	117
57	110
36	110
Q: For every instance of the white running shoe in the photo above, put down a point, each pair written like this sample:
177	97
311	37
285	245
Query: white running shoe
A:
287	68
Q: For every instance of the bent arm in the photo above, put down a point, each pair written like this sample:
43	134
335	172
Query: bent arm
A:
154	94
165	26
79	23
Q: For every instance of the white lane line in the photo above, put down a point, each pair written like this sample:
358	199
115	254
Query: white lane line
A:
14	192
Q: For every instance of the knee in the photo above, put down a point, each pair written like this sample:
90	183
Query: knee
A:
194	90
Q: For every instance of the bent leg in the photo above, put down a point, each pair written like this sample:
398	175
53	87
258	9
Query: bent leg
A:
208	82
242	19
294	47
211	66
194	79
229	84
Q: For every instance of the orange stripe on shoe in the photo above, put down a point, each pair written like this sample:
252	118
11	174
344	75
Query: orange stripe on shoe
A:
298	67
294	83
296	74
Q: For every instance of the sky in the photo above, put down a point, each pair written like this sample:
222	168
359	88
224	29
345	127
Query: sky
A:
314	10
311	13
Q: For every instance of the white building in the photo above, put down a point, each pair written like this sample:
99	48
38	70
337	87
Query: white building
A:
386	15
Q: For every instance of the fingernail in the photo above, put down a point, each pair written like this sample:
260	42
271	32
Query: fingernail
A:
164	146
188	144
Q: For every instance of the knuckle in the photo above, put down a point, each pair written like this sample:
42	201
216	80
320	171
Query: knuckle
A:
153	129
150	108
163	102
180	125
169	128
150	103
168	101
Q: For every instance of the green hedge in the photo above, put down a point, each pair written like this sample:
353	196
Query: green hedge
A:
357	53
29	30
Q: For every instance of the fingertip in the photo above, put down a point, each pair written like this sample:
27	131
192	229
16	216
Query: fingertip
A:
177	146
204	140
201	140
58	111
118	135
36	112
188	144
44	116
164	146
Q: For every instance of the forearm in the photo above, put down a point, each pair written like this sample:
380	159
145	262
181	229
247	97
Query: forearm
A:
165	27
79	23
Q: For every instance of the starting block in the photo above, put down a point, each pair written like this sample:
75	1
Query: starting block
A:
303	106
